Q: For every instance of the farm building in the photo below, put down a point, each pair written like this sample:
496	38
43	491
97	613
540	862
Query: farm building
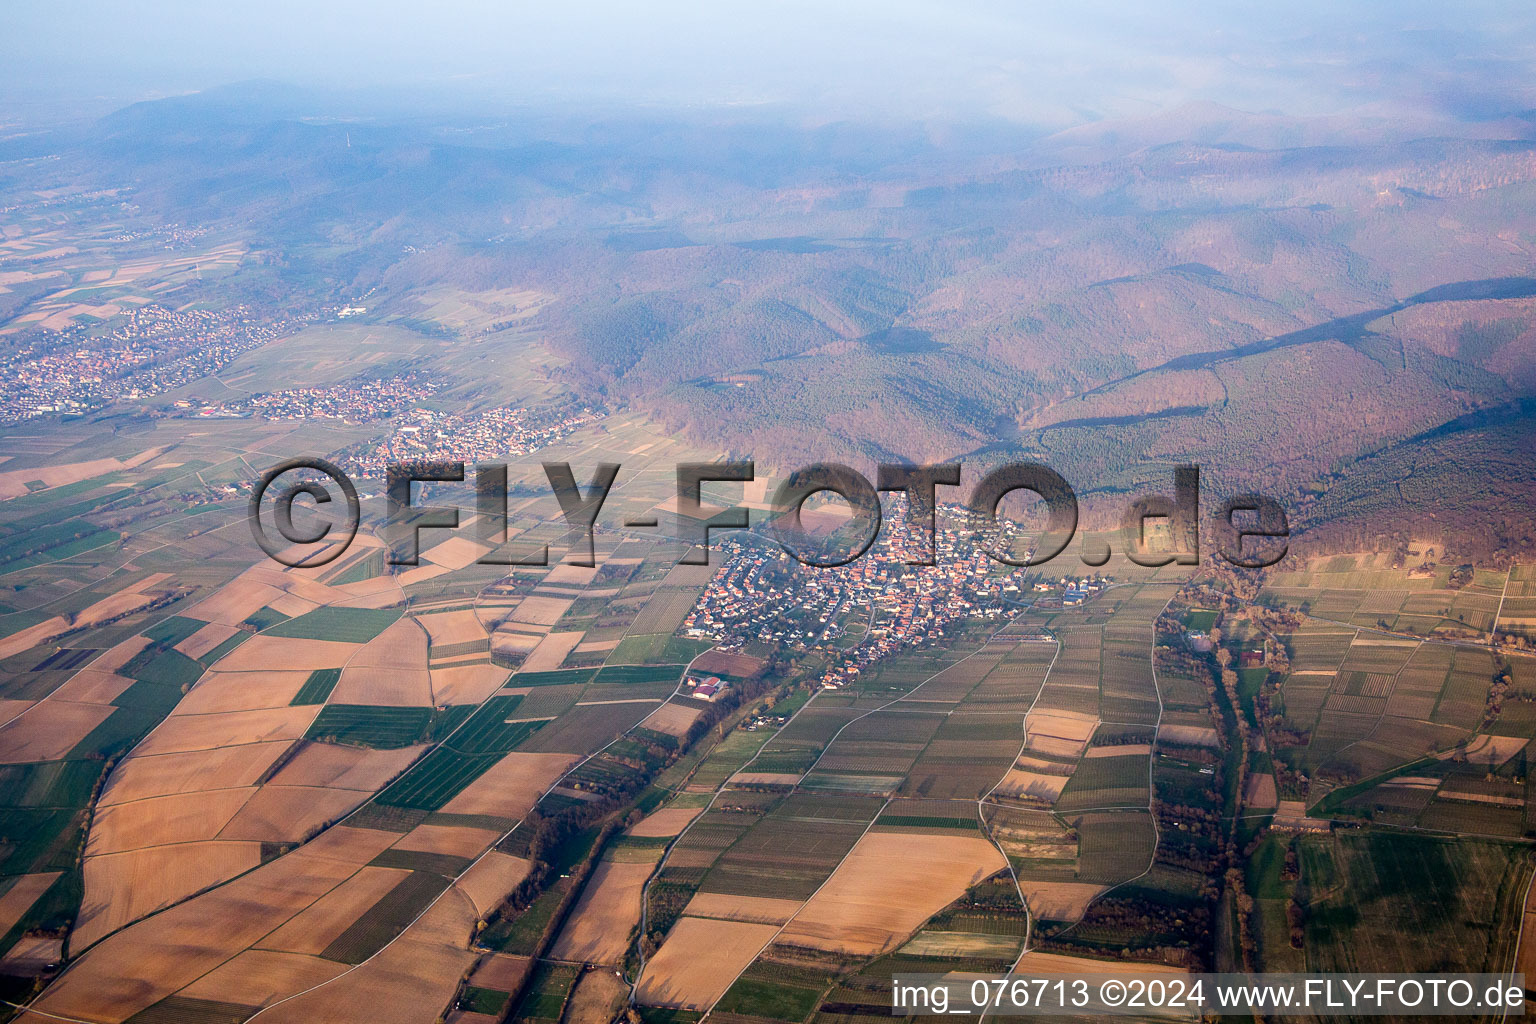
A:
710	688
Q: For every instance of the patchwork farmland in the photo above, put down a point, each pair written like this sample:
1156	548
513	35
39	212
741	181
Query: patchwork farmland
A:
457	788
301	785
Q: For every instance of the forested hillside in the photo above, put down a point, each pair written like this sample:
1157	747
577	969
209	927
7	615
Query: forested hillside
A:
1308	307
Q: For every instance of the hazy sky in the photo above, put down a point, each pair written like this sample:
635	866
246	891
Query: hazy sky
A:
1052	64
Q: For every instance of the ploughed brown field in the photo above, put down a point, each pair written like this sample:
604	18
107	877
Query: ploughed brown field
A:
888	885
512	785
699	960
599	927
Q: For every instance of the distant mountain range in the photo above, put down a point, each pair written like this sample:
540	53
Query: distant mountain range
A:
1338	311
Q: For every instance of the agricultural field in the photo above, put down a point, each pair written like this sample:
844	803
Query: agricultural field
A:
1363	591
289	791
853	912
1517	607
813	829
345	625
311	781
1383	719
1469	898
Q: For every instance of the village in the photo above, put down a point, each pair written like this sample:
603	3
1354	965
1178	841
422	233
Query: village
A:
157	350
496	434
860	613
360	400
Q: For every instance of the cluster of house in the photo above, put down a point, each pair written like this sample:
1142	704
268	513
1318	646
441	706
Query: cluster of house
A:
494	435
155	351
355	401
859	613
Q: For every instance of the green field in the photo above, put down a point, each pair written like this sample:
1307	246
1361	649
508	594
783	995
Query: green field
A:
521	934
488	730
927	821
482	1000
379	924
548	989
446	864
162	667
1384	901
265	618
728	757
559	677
172	631
317	687
639	649
639	674
436	779
775	1000
369	726
348	625
1200	619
